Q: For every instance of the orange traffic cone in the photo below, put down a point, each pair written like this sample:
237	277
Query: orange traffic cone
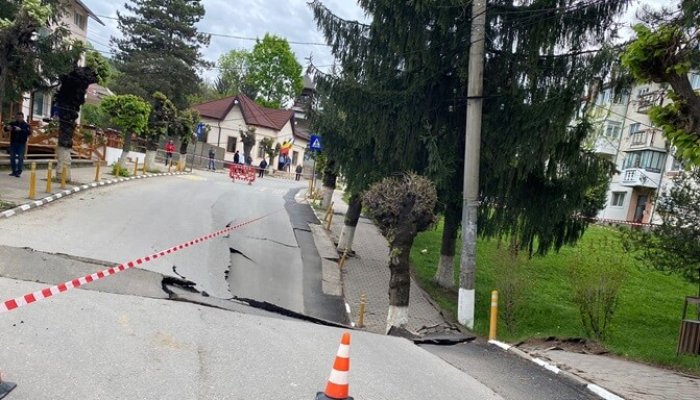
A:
337	387
5	387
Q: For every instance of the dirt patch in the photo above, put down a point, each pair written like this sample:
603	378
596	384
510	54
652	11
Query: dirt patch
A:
574	345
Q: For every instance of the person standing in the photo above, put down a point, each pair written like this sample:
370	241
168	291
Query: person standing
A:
19	133
212	164
237	158
169	150
298	171
263	165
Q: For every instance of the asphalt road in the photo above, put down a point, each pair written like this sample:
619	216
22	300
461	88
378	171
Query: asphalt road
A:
261	261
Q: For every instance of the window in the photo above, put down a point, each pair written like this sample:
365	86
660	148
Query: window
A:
652	161
618	199
295	157
261	150
38	110
636	127
622	97
79	20
605	96
642	91
695	80
231	144
612	129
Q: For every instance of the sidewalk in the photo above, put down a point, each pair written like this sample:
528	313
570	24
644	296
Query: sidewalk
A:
368	273
15	191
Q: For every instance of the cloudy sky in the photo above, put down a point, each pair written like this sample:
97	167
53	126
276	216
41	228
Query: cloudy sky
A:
291	19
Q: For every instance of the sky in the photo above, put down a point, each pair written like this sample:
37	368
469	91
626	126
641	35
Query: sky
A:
291	19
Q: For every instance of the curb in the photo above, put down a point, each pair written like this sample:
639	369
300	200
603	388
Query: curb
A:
590	386
75	189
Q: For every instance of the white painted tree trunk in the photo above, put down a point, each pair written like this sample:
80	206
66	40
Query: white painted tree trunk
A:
347	235
122	159
64	159
445	272
398	316
465	308
181	161
327	197
150	160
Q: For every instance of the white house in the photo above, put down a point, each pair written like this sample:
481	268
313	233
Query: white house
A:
228	116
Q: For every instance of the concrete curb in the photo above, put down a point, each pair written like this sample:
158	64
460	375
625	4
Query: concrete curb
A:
75	189
590	386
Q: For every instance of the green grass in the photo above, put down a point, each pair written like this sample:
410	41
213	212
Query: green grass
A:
644	327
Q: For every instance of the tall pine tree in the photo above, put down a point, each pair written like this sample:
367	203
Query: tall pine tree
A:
399	104
160	49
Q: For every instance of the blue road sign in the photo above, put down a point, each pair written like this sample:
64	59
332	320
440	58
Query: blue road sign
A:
315	143
201	128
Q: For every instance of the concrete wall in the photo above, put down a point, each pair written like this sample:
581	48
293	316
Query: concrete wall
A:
113	154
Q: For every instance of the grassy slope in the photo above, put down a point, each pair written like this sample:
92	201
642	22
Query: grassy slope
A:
645	326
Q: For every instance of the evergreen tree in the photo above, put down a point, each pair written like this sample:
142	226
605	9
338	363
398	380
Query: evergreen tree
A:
160	49
398	105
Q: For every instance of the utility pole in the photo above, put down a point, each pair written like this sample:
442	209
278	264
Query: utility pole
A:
472	146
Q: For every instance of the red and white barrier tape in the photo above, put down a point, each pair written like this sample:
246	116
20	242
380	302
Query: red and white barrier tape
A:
9	305
619	222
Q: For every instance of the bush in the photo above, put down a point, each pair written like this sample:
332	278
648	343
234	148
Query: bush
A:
511	285
596	280
118	170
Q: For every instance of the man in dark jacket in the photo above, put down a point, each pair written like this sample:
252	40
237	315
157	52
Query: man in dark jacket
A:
261	169
19	133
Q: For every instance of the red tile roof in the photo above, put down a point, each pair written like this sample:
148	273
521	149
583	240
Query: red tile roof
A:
253	113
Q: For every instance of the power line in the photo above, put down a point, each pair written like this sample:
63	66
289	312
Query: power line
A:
255	39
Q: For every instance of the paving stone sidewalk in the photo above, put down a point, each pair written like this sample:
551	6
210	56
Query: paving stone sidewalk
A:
368	273
631	380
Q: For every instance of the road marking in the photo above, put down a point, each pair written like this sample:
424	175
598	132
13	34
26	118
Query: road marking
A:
546	365
602	392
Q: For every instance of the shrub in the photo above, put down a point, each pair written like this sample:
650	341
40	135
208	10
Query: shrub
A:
118	170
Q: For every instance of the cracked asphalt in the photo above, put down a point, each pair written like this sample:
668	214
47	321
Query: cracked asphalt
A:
267	260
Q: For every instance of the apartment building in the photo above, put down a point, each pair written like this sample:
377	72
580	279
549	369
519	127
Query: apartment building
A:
645	166
37	105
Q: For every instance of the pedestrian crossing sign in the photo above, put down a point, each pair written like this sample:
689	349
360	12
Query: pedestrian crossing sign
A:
315	143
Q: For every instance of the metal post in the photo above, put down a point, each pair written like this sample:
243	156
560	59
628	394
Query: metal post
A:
49	177
493	324
330	219
343	258
32	182
472	147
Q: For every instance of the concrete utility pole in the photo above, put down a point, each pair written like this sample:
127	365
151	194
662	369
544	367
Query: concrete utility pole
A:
472	146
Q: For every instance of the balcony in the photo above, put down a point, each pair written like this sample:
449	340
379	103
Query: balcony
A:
645	139
605	146
647	100
637	177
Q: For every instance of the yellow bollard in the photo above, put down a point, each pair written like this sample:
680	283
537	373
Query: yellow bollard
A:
170	165
361	314
494	315
136	167
330	219
97	172
328	212
144	166
49	177
32	182
344	257
63	176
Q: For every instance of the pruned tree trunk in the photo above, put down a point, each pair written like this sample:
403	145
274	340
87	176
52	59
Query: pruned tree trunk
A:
329	179
400	281
352	217
70	97
182	159
151	152
444	276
